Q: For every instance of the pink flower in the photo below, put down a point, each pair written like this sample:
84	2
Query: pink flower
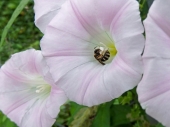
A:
45	10
27	93
82	36
153	90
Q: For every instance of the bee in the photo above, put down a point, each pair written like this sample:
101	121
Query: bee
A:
102	54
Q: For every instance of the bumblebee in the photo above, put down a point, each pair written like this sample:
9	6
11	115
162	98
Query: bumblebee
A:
102	54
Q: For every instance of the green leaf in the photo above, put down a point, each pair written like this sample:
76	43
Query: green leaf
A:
119	115
144	8
17	11
103	116
5	122
84	117
74	109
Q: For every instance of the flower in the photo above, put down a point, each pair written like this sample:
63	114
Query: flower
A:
45	11
153	90
79	40
27	92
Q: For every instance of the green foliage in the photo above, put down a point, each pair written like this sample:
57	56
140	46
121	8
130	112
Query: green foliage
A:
102	118
119	115
84	117
143	8
17	11
22	34
5	122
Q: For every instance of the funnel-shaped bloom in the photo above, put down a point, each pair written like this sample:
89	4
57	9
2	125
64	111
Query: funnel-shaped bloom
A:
45	10
27	93
96	45
154	89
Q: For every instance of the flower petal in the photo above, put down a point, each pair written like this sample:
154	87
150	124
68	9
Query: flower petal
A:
56	99
153	90
45	11
120	77
130	50
120	17
127	22
21	70
97	83
19	78
37	116
84	84
158	30
65	44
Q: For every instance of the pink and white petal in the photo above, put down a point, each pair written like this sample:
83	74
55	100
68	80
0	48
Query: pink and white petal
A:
27	61
56	99
65	44
22	71
12	82
68	13
158	30
65	51
120	17
45	12
130	51
61	65
119	77
15	103
37	115
84	84
62	22
127	21
105	82
96	83
153	90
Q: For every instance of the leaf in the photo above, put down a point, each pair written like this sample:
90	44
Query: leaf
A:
5	122
84	117
17	11
103	116
119	115
74	109
144	8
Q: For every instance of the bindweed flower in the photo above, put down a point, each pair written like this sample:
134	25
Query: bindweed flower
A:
96	47
27	92
153	90
45	10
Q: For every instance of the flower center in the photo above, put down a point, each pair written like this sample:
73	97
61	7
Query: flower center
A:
43	88
104	53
